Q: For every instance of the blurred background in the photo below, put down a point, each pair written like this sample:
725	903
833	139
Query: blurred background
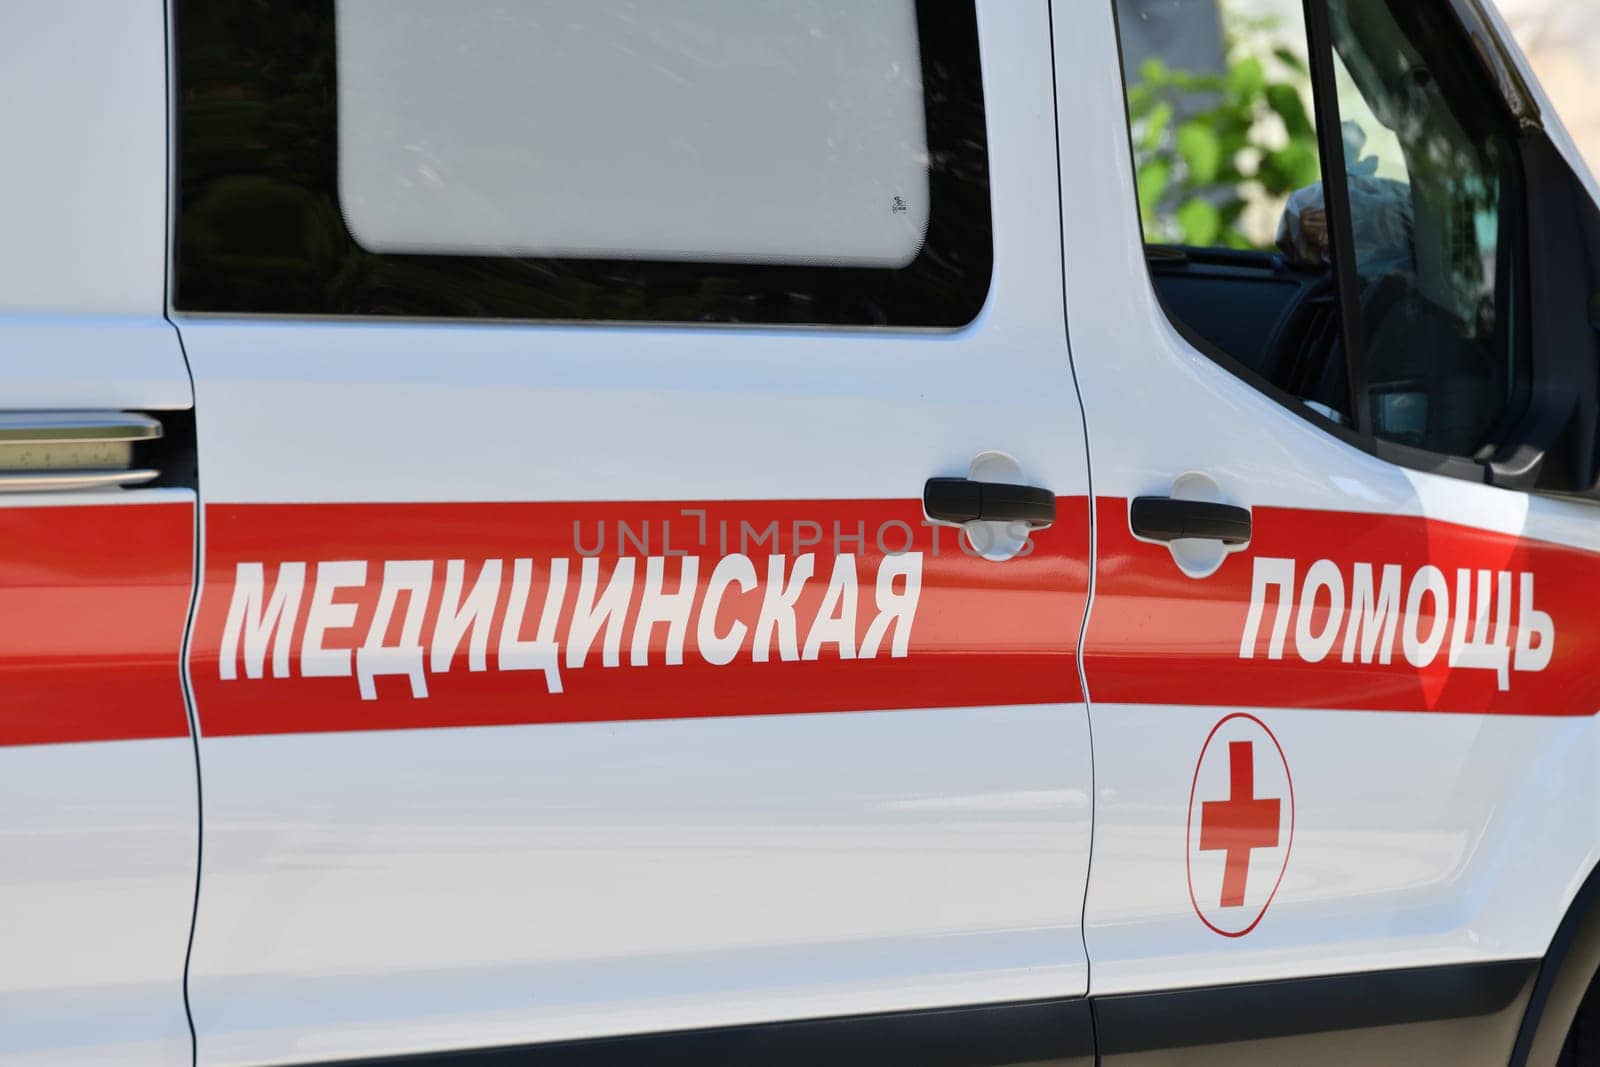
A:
1562	38
1219	99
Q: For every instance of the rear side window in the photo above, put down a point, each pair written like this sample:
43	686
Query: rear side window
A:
1331	198
754	130
681	161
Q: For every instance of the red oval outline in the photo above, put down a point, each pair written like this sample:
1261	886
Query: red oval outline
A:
1188	830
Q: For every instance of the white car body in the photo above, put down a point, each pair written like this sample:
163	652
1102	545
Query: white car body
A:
263	842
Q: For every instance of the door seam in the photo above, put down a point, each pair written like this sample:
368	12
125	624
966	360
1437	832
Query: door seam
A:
1092	516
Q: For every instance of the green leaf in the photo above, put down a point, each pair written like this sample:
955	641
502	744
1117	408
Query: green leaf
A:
1232	140
1200	222
1153	70
1236	239
1155	126
1292	167
1290	106
1246	78
1196	82
1291	60
1155	177
1201	150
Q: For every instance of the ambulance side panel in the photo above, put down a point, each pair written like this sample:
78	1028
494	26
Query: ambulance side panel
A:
98	806
1442	818
518	835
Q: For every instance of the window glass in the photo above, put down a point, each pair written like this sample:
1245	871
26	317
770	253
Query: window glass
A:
762	161
1241	243
1430	166
1225	145
1220	101
762	131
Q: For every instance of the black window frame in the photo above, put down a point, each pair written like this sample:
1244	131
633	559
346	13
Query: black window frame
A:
1529	413
945	287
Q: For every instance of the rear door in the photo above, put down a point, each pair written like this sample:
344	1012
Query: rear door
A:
1341	649
575	656
99	821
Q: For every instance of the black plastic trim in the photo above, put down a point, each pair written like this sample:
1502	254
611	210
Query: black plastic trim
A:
1036	1034
1159	518
1143	1022
1557	285
1336	198
1064	1032
962	500
1568	968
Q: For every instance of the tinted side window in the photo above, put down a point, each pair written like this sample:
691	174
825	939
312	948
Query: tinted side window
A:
685	160
1224	138
1263	269
1432	168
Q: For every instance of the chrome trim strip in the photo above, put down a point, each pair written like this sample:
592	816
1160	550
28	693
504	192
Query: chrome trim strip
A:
66	481
84	427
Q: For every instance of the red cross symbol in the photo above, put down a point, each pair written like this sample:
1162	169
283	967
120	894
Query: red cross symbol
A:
1239	824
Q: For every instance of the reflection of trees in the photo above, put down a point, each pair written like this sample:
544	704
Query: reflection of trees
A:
1454	146
1211	145
260	226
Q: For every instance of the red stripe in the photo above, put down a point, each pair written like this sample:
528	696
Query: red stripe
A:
93	602
985	633
1158	637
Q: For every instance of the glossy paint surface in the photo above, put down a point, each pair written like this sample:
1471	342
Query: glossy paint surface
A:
1157	631
696	845
83	206
474	887
99	816
1427	833
97	778
93	604
971	632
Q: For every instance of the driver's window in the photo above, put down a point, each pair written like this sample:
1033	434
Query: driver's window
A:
1431	168
1241	242
1229	175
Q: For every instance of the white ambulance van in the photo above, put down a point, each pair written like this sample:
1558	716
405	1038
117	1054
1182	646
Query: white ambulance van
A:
932	532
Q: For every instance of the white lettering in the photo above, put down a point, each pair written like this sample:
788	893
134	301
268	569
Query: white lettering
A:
835	621
720	651
458	616
257	623
1480	651
595	611
661	608
1373	616
317	661
375	657
1314	647
777	607
542	653
898	610
1268	571
1421	651
1533	655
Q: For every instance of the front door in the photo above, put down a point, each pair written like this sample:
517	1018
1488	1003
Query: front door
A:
1342	693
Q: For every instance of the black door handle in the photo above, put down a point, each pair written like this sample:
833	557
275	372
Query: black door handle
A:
961	500
1159	518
